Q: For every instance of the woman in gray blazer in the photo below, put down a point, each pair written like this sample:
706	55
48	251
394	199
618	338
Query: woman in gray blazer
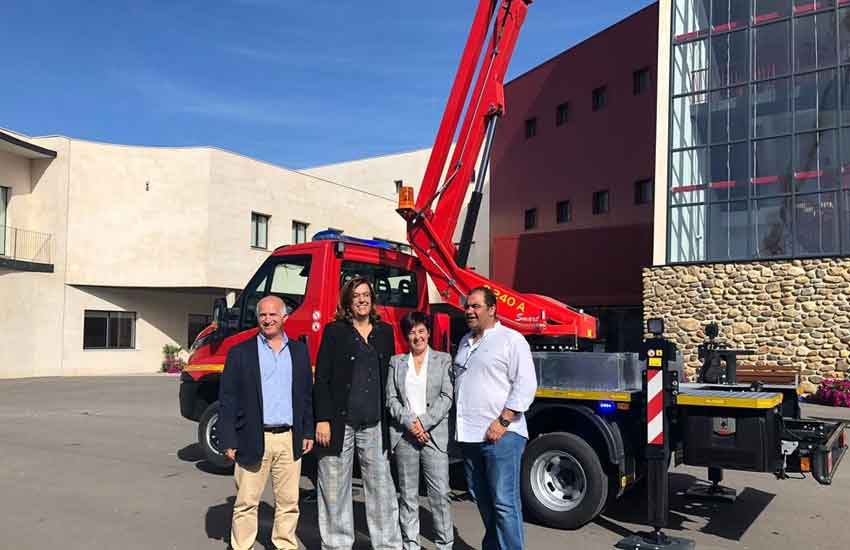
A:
419	397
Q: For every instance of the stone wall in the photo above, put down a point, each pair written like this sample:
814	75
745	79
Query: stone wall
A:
794	314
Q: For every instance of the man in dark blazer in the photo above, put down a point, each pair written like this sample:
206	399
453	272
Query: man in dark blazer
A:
266	424
351	416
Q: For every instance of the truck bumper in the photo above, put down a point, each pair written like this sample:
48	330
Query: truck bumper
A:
189	397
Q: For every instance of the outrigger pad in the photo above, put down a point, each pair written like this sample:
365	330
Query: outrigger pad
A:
717	493
652	541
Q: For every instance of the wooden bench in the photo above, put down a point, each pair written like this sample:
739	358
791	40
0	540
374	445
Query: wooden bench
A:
768	376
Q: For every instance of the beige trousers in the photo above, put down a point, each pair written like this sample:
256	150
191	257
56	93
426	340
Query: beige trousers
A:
250	483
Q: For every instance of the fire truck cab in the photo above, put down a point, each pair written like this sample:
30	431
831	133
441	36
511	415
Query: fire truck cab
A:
308	278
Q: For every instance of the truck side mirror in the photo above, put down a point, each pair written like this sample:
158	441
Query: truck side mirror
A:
219	317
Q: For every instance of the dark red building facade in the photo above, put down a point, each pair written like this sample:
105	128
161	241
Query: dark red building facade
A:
572	177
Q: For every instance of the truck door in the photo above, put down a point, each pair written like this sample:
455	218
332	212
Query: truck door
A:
287	277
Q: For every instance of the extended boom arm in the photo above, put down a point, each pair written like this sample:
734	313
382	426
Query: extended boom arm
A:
430	230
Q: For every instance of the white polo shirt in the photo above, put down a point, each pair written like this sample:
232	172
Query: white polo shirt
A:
495	373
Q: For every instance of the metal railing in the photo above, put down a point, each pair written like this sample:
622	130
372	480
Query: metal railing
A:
26	246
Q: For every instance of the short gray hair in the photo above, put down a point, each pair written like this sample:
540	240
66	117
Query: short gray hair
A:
284	309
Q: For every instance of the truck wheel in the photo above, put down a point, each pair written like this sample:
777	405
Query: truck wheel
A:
563	483
208	438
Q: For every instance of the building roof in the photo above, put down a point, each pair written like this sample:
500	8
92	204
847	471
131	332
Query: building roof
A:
21	148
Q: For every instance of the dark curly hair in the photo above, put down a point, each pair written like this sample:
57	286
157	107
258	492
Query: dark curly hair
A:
346	299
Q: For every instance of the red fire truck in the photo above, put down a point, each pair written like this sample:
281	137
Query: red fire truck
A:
588	423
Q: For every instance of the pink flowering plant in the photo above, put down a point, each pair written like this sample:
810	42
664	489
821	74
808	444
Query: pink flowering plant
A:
834	392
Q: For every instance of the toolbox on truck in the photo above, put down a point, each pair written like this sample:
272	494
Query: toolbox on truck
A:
745	430
732	430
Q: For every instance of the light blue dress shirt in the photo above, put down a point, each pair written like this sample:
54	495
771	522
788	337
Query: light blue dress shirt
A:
276	382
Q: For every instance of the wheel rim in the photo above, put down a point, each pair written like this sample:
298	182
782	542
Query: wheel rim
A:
212	434
558	481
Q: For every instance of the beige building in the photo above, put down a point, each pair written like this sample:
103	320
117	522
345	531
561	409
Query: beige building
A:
110	252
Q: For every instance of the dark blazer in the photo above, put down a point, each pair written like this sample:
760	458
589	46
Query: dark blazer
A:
334	372
240	395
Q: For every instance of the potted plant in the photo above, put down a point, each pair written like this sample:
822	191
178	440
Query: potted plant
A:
835	393
171	361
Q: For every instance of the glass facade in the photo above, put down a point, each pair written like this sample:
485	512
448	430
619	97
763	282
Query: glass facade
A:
759	163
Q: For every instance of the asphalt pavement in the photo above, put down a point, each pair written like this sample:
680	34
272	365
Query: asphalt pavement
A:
108	462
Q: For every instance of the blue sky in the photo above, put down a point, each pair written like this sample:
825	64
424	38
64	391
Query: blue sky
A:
297	83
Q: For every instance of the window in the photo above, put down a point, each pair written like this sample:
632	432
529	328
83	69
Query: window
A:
643	192
398	185
109	330
600	202
815	41
394	286
690	19
530	128
530	218
640	81
299	232
729	59
564	212
259	230
562	114
285	277
600	98
760	133
4	200
772	50
197	323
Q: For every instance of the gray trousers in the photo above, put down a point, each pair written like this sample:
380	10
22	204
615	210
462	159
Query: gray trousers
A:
435	465
336	520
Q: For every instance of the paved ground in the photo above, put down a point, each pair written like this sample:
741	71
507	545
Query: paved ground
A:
108	463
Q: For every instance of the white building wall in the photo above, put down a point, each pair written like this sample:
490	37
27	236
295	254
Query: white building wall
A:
134	227
31	304
161	318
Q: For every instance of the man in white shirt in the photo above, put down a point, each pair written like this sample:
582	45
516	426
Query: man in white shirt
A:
495	383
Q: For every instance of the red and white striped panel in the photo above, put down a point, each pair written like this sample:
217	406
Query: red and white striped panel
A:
654	407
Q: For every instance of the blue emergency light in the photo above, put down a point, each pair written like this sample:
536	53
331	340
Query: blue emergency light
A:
606	406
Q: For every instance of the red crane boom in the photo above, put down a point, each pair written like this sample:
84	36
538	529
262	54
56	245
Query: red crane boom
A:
496	23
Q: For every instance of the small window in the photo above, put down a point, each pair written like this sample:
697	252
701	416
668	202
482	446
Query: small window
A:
259	230
531	218
600	98
640	81
299	232
562	114
109	330
530	128
197	323
643	192
600	202
564	212
398	185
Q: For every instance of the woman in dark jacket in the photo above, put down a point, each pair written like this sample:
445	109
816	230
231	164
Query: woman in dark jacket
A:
348	396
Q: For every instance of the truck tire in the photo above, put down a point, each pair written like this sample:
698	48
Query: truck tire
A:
563	482
208	438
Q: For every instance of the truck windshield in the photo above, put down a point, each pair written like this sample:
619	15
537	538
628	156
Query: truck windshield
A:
394	286
285	278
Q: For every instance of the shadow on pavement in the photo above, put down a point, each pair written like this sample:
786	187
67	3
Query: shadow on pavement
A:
194	453
218	517
729	521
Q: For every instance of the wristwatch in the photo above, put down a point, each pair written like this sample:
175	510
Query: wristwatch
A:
504	421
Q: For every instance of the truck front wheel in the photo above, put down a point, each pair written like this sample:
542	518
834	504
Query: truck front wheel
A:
563	482
208	438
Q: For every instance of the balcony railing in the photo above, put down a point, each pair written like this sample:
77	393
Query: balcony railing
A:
20	245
